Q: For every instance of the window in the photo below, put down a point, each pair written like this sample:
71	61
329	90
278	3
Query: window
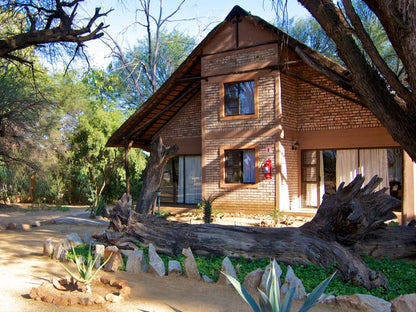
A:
240	166
323	171
182	180
239	98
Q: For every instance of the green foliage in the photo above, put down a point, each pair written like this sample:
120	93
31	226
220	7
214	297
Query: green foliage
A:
270	302
207	206
276	215
134	84
210	267
98	170
399	273
308	31
85	265
165	214
97	206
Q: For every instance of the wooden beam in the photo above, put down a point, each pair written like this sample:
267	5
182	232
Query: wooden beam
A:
156	117
349	98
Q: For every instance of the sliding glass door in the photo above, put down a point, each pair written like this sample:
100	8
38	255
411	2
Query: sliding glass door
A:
323	171
182	180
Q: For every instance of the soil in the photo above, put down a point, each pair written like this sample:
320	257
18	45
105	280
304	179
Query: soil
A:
23	267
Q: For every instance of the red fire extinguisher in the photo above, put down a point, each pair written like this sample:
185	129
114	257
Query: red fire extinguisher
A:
267	168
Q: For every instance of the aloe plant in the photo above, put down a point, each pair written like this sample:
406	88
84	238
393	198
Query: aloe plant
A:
270	302
85	268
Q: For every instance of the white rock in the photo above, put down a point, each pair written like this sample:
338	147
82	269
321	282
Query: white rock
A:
48	247
62	256
99	253
406	303
363	303
57	250
291	280
115	261
156	264
135	262
87	239
174	267
253	279
65	243
191	269
74	239
263	283
228	268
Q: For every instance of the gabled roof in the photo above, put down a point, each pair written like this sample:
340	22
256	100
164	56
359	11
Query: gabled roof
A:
185	82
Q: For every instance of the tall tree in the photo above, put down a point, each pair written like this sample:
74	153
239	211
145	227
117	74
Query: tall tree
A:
387	94
98	168
133	83
37	23
26	110
155	57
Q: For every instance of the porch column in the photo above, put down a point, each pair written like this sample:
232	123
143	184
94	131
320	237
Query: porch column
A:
127	147
409	189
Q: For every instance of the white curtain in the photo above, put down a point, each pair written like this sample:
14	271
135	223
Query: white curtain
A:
193	179
321	177
374	162
180	199
248	166
311	199
346	166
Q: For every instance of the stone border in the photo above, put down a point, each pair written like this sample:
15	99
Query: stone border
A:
254	280
66	292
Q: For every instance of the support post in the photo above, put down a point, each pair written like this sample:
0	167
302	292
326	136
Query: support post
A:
127	147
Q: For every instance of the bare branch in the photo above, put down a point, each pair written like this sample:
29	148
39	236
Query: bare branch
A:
324	70
50	26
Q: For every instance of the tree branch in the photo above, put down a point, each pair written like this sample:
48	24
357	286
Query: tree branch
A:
372	52
324	70
65	31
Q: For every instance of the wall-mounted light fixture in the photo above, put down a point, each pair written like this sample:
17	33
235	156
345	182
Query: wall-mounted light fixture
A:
295	146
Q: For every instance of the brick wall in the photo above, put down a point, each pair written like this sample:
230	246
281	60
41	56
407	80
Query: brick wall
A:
266	98
186	124
246	200
290	104
321	110
261	198
231	61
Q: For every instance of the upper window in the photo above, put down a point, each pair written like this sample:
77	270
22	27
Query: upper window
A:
239	98
240	166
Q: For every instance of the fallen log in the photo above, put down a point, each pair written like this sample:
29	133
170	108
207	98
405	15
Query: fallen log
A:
347	224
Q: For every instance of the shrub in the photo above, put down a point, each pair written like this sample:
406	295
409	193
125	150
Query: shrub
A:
270	302
85	266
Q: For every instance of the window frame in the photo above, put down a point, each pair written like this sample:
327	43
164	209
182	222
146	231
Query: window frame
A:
223	116
225	148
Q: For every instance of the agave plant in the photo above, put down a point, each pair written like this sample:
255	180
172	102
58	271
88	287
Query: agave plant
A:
85	267
270	302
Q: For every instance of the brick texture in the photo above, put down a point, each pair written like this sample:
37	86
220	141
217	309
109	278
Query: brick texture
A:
186	123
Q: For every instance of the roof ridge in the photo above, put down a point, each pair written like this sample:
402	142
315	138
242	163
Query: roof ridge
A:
236	11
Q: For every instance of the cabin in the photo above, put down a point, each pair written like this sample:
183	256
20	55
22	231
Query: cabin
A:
264	122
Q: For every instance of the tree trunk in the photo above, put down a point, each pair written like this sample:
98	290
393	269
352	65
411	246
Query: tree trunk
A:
159	156
347	224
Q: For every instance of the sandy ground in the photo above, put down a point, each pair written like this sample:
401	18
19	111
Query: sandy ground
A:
22	267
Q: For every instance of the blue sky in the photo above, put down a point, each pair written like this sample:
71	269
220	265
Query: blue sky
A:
206	12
